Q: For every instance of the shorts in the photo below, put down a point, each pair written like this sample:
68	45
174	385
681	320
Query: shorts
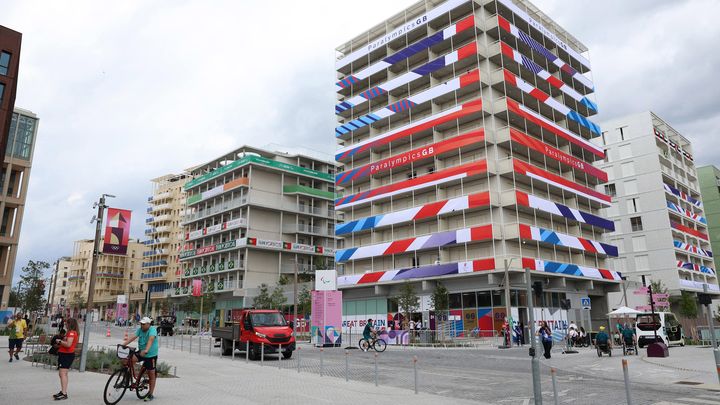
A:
15	343
148	362
65	360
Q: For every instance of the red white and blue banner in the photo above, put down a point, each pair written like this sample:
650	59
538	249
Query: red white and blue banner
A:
412	156
529	200
569	269
405	53
436	270
560	182
551	102
682	195
529	232
556	154
428	180
526	62
686	213
695	267
537	47
117	231
434	240
458	111
399	31
451	85
660	134
551	36
692	249
434	209
688	230
554	128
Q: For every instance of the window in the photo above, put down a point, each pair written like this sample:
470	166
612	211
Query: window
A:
468	300
62	292
2	91
603	137
636	224
622	133
632	205
610	190
607	157
4	63
455	301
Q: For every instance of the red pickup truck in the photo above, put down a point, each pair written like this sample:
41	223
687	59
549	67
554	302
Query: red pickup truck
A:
263	329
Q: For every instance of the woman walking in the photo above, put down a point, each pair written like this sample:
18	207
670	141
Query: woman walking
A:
66	355
546	338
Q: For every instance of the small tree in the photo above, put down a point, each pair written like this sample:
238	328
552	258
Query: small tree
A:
688	305
78	301
14	300
262	300
33	280
440	301
717	314
658	287
408	301
277	299
304	302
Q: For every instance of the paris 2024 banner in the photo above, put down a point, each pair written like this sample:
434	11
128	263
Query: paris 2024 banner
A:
117	231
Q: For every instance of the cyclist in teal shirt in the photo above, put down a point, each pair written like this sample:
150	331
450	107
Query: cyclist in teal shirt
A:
147	351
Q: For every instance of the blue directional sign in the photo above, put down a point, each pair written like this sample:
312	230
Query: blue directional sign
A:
585	302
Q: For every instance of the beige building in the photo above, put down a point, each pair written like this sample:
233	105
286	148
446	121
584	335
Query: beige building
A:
14	180
116	275
160	266
59	286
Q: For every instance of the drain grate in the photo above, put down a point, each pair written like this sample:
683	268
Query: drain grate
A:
688	382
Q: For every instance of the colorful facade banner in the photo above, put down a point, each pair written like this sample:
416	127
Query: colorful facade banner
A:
569	269
197	287
215	191
529	200
660	134
261	243
551	102
537	47
682	195
428	180
556	154
434	209
529	232
397	32
449	86
117	231
412	156
435	270
695	267
435	240
553	128
689	231
453	113
392	84
686	213
560	182
526	62
210	230
219	247
692	248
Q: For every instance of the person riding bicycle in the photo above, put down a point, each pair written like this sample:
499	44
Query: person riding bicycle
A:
147	352
369	333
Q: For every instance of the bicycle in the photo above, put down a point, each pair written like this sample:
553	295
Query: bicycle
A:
124	378
377	344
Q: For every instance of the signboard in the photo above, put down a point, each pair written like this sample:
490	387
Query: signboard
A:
326	280
585	302
122	299
197	287
117	231
326	318
641	291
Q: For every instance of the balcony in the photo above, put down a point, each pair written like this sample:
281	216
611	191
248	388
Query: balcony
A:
149	220
303	228
216	209
155	263
309	191
161	207
289	268
153	276
150	230
161	218
155	252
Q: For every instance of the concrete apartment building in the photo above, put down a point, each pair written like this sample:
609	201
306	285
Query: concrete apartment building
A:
116	275
161	262
252	216
59	286
709	178
660	225
464	132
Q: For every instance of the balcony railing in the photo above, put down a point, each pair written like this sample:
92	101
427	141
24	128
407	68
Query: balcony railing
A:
153	275
304	228
216	209
289	268
155	263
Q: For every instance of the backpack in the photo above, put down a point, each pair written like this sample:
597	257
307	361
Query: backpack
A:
54	343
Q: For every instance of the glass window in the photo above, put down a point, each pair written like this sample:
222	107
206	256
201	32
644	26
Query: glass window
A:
522	298
610	190
2	91
4	63
555	300
455	302
498	298
468	300
20	139
392	305
636	223
483	299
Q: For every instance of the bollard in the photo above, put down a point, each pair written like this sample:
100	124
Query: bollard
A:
626	375
279	356
175	371
298	358
553	372
262	353
415	372
346	365
190	344
174	339
102	365
376	370
210	341
321	362
233	353
182	341
247	351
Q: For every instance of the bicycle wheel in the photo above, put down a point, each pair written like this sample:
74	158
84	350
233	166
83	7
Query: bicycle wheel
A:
380	345
143	389
364	345
116	386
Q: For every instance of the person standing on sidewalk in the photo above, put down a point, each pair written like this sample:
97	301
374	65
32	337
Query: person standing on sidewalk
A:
148	352
18	332
546	337
66	356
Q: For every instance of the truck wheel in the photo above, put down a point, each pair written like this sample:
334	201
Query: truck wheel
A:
226	347
254	352
287	355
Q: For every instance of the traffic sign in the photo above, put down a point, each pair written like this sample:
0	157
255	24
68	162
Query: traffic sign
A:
585	302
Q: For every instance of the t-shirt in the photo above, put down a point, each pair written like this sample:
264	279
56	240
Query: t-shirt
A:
143	337
366	331
20	327
628	334
602	337
72	334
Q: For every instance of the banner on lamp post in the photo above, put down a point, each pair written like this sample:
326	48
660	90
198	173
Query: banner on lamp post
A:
197	288
117	231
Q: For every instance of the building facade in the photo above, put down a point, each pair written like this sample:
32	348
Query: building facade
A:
59	286
709	178
253	216
161	261
464	132
14	183
10	44
116	275
660	224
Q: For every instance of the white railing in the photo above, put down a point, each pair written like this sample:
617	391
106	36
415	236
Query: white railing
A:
216	209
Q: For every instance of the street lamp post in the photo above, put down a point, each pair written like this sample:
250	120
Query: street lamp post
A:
295	297
534	362
507	299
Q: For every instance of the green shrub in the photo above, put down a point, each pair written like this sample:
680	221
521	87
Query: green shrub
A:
163	369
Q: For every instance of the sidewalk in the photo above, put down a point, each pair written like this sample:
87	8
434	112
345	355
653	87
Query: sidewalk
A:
203	378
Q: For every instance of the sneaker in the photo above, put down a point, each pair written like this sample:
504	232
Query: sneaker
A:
17	357
10	359
61	397
149	398
58	394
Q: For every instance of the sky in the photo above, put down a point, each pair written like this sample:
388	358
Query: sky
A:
131	90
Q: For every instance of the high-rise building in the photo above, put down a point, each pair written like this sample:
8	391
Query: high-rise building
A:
116	275
660	225
464	131
161	264
10	42
709	178
14	182
59	287
253	216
